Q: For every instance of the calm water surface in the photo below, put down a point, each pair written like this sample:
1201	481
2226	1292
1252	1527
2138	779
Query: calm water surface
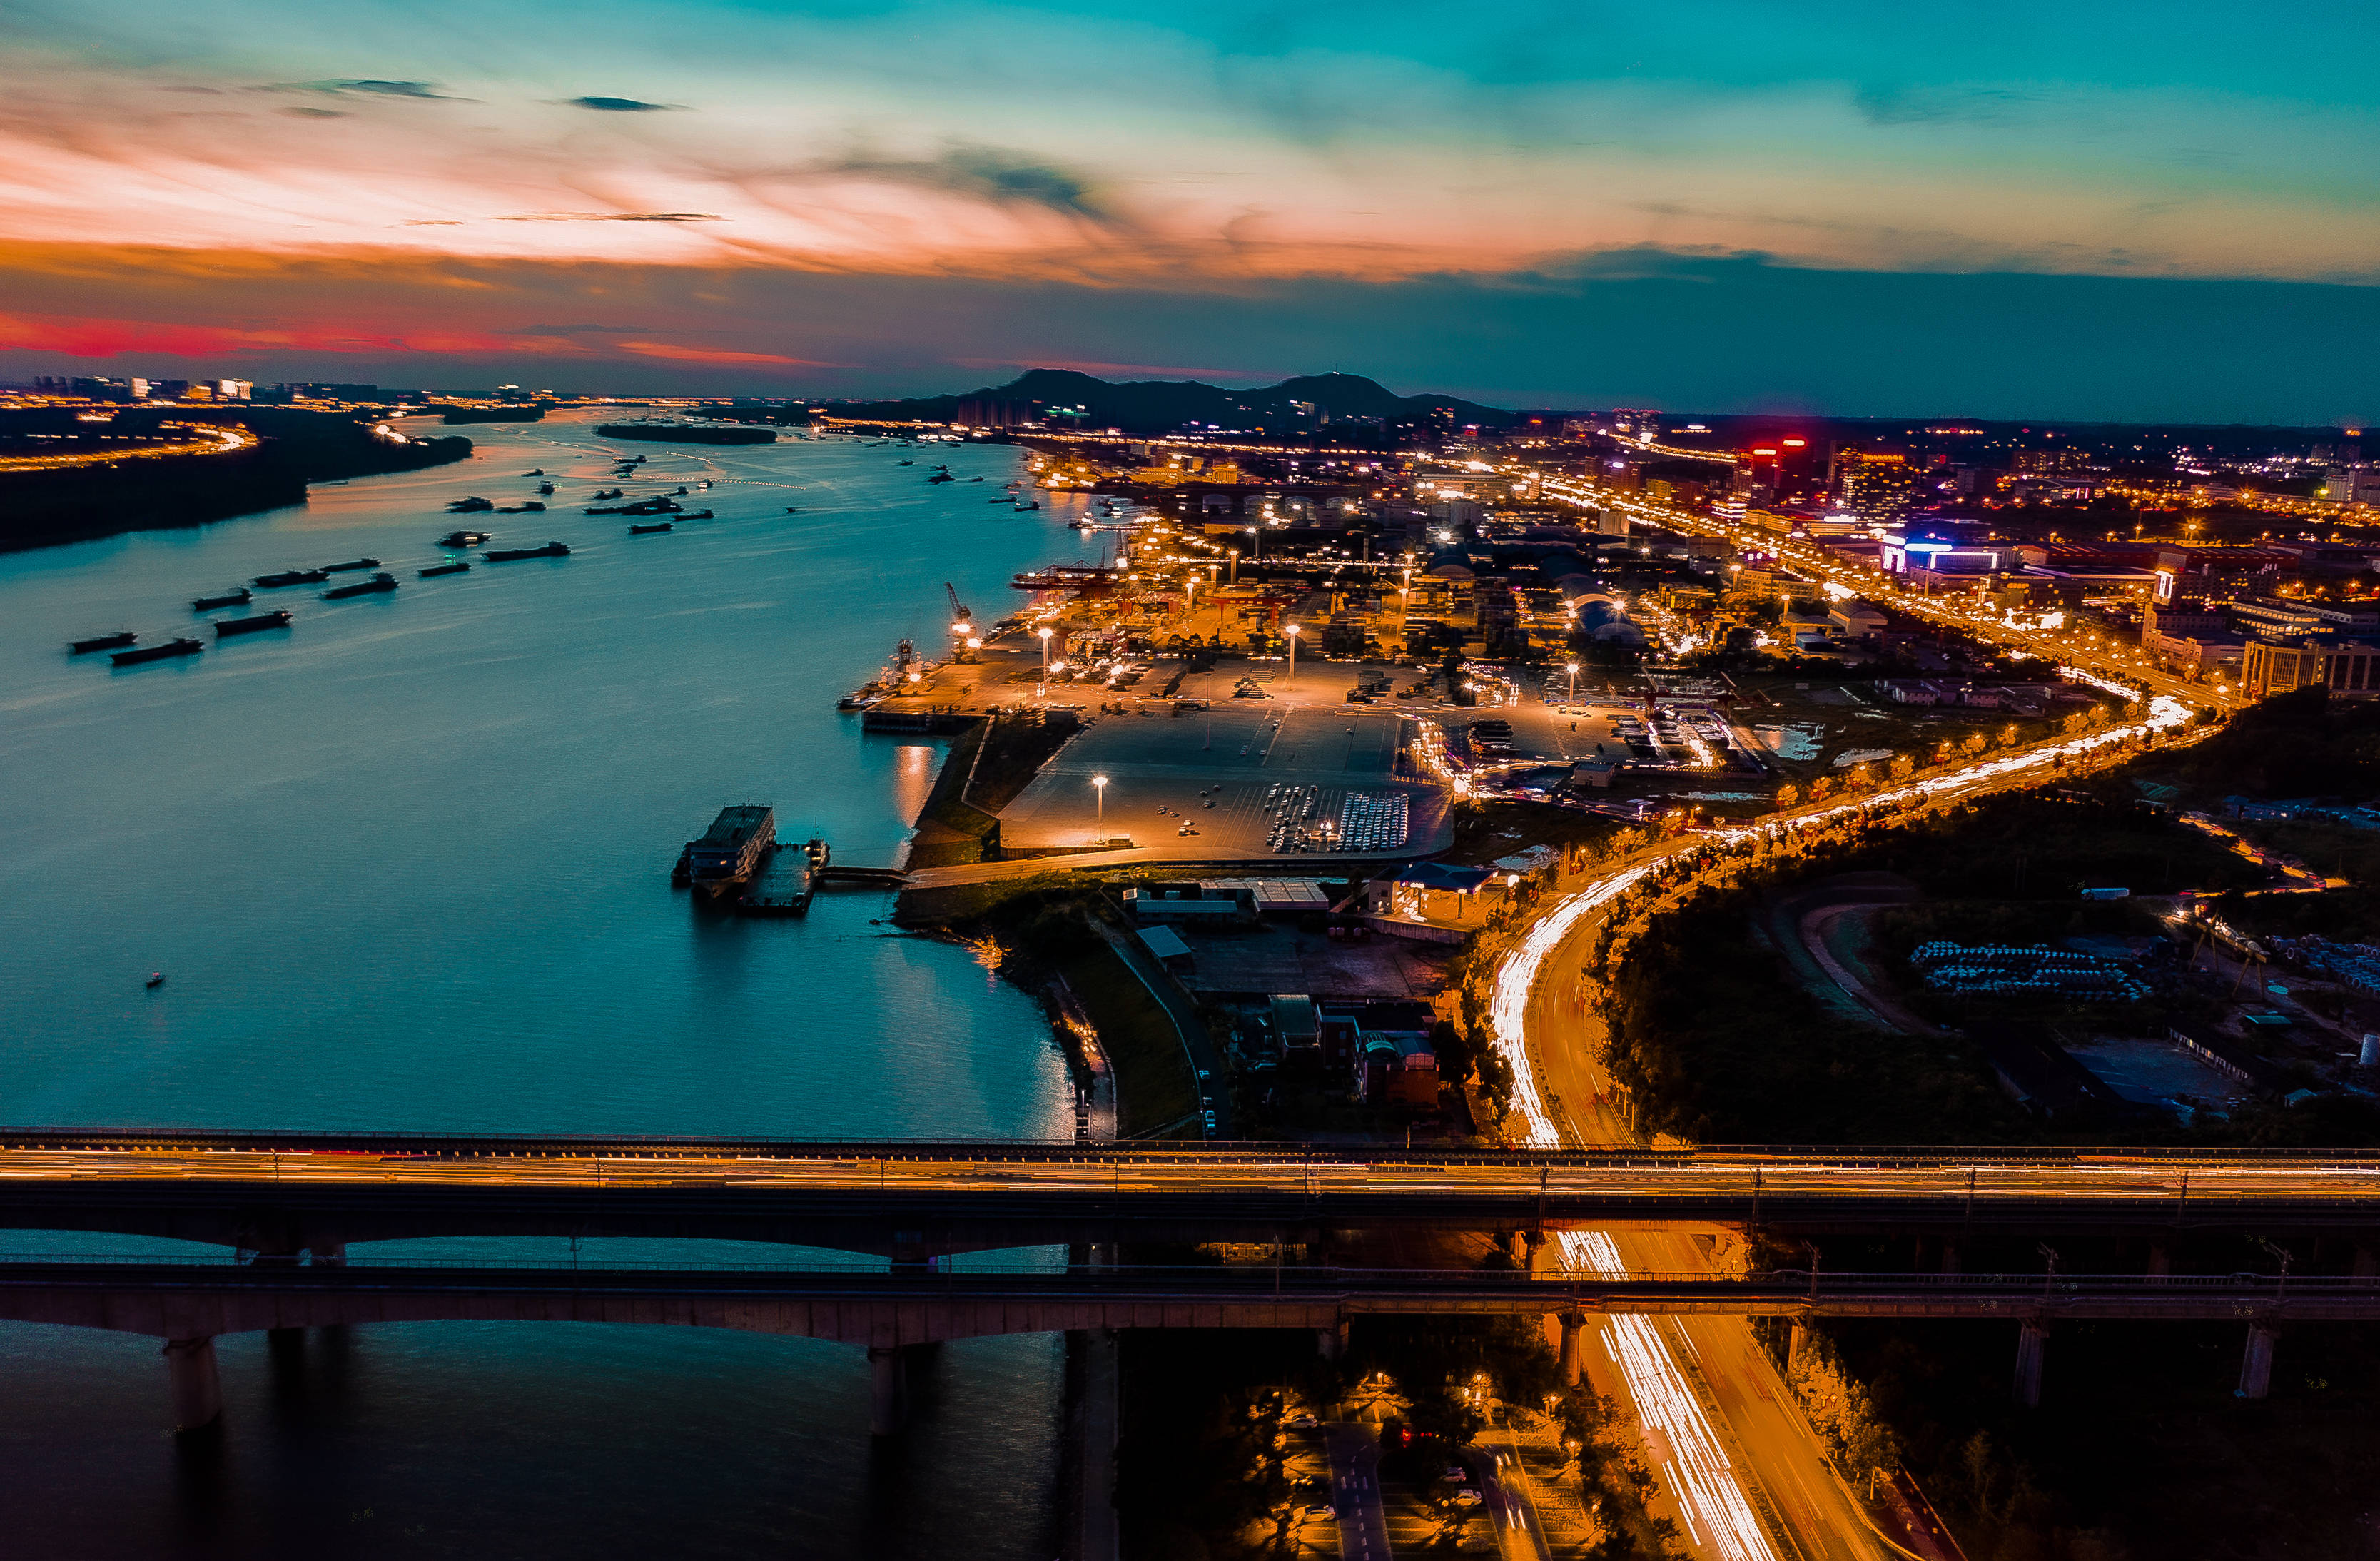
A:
404	866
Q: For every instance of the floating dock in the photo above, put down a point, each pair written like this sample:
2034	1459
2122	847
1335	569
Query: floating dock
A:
784	881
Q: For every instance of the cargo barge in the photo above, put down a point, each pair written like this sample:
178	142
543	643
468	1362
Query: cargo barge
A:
102	643
239	598
379	583
227	627
184	647
506	554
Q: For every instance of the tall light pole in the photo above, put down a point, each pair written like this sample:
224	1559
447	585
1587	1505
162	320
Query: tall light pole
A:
1099	788
1256	547
1044	632
1573	682
1291	632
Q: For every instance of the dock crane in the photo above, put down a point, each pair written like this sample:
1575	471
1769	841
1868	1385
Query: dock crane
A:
964	635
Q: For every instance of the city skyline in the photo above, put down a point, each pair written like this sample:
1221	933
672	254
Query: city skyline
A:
1855	212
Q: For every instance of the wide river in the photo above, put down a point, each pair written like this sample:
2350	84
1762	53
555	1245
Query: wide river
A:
405	865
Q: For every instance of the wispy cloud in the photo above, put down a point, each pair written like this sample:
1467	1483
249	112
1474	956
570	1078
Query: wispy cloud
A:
421	89
622	105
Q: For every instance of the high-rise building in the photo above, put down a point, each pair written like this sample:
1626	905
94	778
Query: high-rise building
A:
1877	486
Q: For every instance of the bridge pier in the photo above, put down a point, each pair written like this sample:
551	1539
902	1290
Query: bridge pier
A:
2160	1262
1573	1355
1795	1342
1950	1257
1532	1252
2031	1355
196	1384
1332	1340
888	1403
2256	1363
2367	1260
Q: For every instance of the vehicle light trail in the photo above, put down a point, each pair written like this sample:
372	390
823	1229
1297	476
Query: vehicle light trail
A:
1710	1497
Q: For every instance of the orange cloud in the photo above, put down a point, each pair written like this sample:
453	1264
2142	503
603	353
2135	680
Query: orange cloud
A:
676	354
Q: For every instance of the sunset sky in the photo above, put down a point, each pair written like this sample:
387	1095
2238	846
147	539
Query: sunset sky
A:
2005	208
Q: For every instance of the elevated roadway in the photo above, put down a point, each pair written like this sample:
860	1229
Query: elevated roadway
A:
910	1306
281	1192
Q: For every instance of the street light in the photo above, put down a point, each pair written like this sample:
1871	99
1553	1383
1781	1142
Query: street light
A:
1574	681
1044	632
1100	787
1291	632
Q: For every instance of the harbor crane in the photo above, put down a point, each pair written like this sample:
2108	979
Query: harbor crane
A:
965	636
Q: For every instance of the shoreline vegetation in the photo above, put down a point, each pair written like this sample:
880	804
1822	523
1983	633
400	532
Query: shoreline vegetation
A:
46	508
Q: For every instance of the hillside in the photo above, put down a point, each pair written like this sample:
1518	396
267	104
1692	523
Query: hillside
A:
1306	404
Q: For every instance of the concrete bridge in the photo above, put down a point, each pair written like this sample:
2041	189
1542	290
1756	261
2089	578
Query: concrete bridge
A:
190	1304
284	1192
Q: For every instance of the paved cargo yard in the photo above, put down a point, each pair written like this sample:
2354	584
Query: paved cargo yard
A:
1232	773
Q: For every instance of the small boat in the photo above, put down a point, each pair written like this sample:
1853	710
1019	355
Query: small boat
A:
975	479
791	510
526	506
704	484
377	585
351	564
239	598
472	506
104	641
456	568
648	531
680	492
156	979
543	489
506	554
699	515
1035	504
941	476
605	493
293	577
908	463
185	647
538	473
462	539
227	627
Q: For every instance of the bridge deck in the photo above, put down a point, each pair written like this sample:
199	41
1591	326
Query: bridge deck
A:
881	1309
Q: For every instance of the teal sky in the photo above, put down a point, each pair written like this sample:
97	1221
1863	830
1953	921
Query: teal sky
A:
1597	201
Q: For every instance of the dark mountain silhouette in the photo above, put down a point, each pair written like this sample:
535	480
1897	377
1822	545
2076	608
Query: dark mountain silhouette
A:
1307	403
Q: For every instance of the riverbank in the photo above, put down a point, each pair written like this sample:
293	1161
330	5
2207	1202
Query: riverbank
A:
45	508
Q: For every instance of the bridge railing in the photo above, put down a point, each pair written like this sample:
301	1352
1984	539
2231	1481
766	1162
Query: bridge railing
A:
662	1145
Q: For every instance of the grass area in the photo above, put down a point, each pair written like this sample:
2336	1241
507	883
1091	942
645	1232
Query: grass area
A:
1721	1046
1154	1085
